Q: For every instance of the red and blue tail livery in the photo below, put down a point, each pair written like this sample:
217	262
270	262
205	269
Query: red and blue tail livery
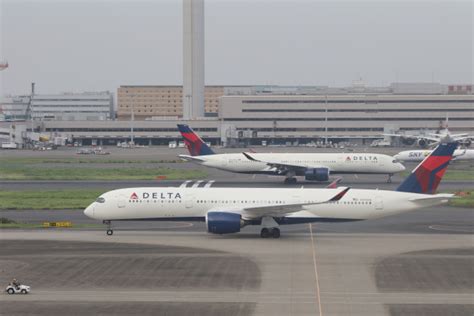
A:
426	177
193	142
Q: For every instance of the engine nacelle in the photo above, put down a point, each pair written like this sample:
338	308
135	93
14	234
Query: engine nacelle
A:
407	141
466	142
317	174
223	222
422	143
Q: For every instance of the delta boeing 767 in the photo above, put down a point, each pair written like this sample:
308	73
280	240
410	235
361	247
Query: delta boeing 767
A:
227	210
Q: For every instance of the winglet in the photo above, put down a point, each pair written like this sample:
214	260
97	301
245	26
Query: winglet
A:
340	195
249	157
334	184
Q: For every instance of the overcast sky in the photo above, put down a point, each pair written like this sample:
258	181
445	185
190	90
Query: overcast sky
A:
99	45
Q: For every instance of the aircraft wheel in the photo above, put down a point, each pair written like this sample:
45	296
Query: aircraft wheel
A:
264	233
110	232
275	232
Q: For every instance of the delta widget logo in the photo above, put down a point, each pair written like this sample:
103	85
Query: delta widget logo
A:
134	196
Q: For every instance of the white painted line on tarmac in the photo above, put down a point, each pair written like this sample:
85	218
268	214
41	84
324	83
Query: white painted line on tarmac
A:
450	228
313	247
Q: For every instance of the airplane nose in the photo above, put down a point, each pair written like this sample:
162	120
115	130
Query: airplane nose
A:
401	167
89	211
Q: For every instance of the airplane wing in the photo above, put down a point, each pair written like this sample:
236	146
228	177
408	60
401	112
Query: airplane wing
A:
191	158
281	167
458	138
463	135
433	139
282	209
334	184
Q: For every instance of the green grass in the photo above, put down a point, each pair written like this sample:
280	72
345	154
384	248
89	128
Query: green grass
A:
82	160
452	174
28	172
30	226
464	201
46	169
48	199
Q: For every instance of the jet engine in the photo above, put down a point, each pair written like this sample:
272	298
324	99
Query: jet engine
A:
316	174
466	142
224	222
407	141
422	143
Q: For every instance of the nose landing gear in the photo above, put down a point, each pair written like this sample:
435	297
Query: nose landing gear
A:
389	179
110	231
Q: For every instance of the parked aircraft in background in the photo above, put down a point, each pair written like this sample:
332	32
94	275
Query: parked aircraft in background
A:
433	139
419	155
227	210
311	166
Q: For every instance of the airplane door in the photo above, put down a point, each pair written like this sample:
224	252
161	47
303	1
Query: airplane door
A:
378	203
121	202
189	201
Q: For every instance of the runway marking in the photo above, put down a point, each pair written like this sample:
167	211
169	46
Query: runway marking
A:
451	228
209	183
195	185
318	292
184	184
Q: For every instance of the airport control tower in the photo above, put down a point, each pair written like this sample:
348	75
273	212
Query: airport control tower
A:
193	59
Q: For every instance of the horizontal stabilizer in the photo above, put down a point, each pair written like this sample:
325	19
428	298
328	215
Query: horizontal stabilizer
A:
190	158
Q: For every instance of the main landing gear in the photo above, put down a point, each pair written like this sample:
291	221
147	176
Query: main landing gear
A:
110	231
267	232
389	179
270	232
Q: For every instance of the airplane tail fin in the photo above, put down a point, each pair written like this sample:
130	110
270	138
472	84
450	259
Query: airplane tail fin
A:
426	177
193	142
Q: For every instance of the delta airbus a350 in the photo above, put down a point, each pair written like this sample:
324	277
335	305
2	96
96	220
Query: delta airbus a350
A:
311	166
228	210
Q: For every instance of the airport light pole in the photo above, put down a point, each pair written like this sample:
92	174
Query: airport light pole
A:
326	120
132	118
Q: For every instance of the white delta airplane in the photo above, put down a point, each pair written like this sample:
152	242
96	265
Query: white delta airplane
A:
433	139
227	210
313	166
419	155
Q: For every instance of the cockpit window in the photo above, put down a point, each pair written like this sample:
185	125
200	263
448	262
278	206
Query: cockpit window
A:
396	161
100	200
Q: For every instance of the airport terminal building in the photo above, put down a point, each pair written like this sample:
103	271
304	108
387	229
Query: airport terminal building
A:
281	115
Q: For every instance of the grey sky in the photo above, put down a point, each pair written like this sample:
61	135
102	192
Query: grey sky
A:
87	46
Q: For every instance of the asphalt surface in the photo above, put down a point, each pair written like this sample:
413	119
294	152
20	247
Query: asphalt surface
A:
417	263
439	220
176	273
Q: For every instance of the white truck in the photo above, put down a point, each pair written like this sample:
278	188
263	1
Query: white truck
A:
10	145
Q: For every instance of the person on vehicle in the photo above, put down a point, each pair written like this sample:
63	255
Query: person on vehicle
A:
16	283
